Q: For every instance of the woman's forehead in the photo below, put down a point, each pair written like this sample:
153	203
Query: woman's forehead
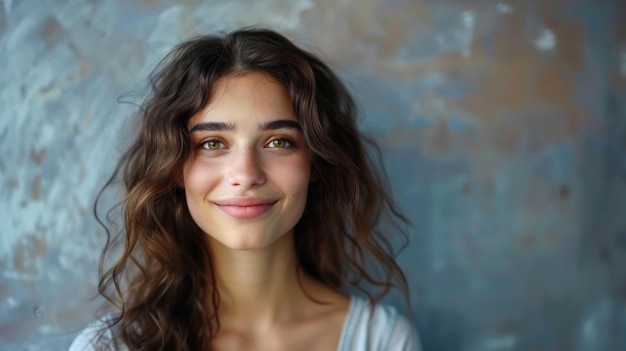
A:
252	98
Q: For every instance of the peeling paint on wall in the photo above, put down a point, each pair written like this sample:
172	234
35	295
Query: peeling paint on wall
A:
504	8
545	40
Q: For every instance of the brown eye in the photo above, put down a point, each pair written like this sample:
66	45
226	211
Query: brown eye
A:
212	145
279	144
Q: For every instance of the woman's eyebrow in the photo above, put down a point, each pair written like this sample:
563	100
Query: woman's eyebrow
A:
221	126
212	127
280	124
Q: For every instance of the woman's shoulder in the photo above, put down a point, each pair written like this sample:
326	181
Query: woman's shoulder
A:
377	327
96	336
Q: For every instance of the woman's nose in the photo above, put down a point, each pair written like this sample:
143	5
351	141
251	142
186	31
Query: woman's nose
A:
245	169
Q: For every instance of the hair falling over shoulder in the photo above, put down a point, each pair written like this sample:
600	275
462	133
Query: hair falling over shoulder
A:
161	283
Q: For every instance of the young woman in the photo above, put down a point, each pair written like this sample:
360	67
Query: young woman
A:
251	207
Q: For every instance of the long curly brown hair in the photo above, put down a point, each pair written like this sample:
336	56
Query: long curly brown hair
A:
165	295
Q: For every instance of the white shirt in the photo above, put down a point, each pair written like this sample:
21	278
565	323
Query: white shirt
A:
364	329
385	329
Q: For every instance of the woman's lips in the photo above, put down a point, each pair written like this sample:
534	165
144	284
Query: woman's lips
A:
245	207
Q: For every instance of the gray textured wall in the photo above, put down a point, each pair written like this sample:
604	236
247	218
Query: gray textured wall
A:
504	126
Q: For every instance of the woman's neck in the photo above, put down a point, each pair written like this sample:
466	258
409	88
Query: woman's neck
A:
260	286
266	299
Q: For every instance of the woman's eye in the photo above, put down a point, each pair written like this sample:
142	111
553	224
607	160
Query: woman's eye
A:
212	145
279	143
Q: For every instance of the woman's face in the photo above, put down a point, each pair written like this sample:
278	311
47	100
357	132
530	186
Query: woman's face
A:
246	182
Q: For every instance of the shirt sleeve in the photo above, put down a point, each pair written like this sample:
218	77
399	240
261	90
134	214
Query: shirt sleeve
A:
90	340
404	336
85	340
380	328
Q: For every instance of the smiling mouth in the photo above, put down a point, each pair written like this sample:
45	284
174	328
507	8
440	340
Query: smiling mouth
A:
246	208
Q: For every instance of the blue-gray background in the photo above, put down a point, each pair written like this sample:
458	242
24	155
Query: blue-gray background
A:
503	126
